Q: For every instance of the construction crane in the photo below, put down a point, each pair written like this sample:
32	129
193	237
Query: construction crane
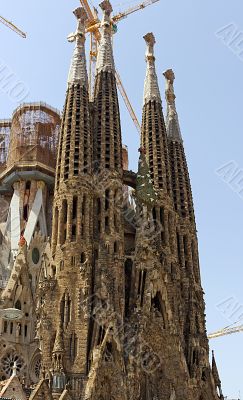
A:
226	398
95	23
13	27
228	330
93	27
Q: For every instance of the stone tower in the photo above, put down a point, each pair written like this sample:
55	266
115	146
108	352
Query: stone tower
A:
119	302
195	342
87	237
72	234
27	177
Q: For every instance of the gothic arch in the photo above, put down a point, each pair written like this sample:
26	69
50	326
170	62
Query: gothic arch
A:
65	309
159	308
35	367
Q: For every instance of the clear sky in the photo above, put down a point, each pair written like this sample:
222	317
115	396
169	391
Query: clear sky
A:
209	89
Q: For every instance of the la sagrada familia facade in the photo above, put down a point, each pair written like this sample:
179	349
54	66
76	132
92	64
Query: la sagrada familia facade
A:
112	305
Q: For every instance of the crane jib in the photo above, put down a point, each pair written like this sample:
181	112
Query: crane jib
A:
12	26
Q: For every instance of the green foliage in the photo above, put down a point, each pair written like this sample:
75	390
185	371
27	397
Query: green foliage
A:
145	192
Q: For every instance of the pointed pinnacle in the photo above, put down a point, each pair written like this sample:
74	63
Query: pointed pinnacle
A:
106	7
150	41
80	14
77	71
151	86
172	123
105	59
170	77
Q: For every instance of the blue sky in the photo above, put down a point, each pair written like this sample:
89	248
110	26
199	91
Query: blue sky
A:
209	89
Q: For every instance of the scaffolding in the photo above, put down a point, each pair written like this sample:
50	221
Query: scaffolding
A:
34	135
5	127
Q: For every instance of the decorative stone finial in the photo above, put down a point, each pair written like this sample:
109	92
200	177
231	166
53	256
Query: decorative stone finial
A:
58	344
169	74
80	14
169	91
172	121
150	41
151	86
106	7
105	59
14	373
78	72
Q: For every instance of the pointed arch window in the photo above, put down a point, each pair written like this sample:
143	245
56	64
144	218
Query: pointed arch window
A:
108	352
63	225
158	306
18	305
178	246
62	308
101	335
73	341
75	205
65	310
128	282
141	285
107	199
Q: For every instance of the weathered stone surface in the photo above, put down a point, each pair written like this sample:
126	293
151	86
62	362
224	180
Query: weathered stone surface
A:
119	306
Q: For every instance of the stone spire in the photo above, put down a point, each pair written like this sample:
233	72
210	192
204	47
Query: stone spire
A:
182	193
59	378
216	377
193	319
78	73
172	123
107	126
105	59
59	343
75	144
108	239
153	134
72	230
151	86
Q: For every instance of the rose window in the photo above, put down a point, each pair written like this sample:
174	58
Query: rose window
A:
8	363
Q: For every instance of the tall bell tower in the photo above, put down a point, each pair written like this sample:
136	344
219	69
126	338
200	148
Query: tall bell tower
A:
121	313
87	233
65	344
